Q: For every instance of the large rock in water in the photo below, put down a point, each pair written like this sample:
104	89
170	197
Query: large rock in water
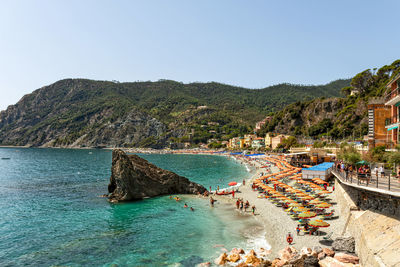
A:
133	178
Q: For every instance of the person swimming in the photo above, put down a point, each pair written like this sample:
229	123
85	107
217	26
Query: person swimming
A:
192	209
185	206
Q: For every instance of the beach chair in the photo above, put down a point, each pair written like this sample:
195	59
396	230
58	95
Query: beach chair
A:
328	236
329	215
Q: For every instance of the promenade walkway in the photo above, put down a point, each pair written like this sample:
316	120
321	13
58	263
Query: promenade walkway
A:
386	185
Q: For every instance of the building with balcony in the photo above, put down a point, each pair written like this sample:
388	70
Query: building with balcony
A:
378	118
257	143
392	99
248	139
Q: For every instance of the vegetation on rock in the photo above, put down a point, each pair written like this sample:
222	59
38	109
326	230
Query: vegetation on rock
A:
339	117
79	112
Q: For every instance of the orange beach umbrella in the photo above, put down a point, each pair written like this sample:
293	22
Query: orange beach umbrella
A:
318	223
307	215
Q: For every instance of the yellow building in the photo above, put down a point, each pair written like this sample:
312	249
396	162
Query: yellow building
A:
268	139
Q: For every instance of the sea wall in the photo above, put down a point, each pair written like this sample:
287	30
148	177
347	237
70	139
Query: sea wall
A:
373	220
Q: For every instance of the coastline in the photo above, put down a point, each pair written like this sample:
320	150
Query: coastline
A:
277	224
280	224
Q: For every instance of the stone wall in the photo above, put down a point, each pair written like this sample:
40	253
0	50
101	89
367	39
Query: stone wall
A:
372	219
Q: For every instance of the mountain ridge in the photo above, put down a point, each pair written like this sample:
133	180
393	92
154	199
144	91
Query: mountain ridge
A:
83	112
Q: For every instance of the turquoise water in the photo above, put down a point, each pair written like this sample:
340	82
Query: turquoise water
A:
51	212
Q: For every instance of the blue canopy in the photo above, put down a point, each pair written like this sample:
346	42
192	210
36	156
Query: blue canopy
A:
252	155
320	167
392	128
237	153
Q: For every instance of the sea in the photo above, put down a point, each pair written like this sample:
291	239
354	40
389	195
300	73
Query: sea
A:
52	212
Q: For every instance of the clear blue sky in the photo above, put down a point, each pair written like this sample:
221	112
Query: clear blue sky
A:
247	43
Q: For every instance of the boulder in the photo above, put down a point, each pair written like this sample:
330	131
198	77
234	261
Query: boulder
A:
134	178
242	264
328	252
278	262
331	262
346	244
204	264
297	261
317	249
346	258
266	263
222	259
253	260
234	257
288	253
321	255
263	252
237	251
252	252
306	251
314	254
310	262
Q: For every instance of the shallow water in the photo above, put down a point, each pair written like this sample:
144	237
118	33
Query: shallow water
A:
51	212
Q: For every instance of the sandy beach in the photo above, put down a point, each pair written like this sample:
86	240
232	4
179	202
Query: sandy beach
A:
277	222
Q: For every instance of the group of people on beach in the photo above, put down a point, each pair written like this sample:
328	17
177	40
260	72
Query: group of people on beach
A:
240	205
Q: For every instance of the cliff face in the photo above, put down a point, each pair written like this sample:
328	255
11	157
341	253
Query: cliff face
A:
133	178
338	117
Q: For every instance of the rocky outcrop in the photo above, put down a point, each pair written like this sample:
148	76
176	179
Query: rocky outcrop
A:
346	244
134	178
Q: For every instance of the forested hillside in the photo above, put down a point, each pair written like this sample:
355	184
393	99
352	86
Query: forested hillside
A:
340	117
79	112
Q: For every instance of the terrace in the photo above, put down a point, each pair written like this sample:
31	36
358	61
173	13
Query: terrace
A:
389	185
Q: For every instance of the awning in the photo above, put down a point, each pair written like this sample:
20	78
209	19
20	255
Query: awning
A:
392	128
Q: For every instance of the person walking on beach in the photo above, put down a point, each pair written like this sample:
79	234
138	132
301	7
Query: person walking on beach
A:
233	193
253	208
241	205
237	203
244	182
298	229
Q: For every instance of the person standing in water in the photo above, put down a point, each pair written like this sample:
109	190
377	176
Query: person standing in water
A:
212	202
253	208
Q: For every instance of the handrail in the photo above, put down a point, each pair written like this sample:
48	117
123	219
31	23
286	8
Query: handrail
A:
392	94
387	182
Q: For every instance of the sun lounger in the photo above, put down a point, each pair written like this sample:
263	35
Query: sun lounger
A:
329	215
329	236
